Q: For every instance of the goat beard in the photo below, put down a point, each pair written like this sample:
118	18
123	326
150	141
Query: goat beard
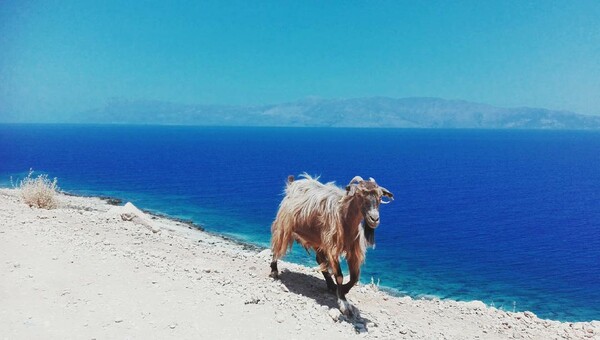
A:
369	234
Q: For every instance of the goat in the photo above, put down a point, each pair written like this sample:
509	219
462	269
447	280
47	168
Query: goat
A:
331	221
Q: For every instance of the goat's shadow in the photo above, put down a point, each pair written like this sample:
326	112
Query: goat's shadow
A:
316	289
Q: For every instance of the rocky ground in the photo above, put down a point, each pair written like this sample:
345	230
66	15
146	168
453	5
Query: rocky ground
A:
92	270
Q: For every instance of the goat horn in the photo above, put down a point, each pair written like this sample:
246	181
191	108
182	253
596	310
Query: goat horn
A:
356	179
386	192
371	179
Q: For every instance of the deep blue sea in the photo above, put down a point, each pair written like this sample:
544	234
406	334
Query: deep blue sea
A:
511	218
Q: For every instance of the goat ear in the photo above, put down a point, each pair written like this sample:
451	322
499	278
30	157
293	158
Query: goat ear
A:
350	189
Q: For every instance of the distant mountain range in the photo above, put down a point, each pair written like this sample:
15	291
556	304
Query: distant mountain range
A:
374	112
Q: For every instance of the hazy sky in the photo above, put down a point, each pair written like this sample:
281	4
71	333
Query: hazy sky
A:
69	56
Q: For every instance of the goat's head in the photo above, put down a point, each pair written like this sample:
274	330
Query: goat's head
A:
370	196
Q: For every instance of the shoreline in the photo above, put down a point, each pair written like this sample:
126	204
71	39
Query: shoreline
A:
248	245
298	305
117	201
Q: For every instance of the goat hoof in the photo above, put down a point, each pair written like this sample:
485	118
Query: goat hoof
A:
346	308
274	275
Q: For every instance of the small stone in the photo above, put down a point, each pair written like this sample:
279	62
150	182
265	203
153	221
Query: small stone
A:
118	320
252	301
360	328
475	305
173	326
404	299
334	313
264	253
279	319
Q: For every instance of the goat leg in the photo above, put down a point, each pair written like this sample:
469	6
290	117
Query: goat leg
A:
274	271
353	279
345	307
321	258
354	268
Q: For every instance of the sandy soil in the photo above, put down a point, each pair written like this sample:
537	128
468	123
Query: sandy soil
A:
82	271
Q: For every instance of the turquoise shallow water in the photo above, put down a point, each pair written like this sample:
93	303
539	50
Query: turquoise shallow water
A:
506	217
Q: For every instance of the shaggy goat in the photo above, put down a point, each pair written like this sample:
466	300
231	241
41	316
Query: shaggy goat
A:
328	219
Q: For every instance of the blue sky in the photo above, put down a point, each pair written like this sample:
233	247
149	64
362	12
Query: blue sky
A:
70	56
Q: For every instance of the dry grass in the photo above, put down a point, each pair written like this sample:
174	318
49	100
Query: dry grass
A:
39	191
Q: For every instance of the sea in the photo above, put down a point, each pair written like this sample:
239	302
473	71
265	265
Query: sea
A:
508	217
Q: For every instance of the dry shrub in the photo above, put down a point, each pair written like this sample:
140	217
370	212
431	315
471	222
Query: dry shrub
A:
39	191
